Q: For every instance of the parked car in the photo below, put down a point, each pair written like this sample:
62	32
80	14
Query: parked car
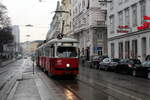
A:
19	57
96	60
142	71
127	65
109	64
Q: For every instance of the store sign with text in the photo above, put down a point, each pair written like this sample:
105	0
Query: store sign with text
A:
146	24
123	29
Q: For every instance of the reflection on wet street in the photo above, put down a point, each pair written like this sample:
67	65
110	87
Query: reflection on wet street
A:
92	84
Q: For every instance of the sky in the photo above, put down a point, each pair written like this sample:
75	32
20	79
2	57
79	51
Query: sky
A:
38	14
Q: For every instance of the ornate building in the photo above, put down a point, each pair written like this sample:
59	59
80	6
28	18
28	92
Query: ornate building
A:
126	37
56	24
89	27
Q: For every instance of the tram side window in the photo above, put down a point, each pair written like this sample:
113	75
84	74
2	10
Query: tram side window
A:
52	51
50	55
46	51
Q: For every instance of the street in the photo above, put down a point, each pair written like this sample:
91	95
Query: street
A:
91	84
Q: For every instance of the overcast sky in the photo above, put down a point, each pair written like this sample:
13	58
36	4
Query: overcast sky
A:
23	12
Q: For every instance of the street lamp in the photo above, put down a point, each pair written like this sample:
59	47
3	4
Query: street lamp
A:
28	36
29	25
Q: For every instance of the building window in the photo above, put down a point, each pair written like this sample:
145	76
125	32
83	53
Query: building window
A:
120	18
112	24
134	15
144	47
100	35
134	49
121	50
143	10
127	17
127	49
112	45
112	5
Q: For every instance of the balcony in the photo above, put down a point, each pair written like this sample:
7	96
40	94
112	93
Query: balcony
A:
100	24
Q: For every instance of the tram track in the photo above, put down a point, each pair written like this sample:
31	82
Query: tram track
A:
99	87
46	80
68	84
98	90
83	76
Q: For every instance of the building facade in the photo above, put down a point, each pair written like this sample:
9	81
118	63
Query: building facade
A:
89	27
29	48
67	8
56	24
16	34
125	39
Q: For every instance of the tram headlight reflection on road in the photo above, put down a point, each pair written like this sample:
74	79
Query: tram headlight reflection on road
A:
69	95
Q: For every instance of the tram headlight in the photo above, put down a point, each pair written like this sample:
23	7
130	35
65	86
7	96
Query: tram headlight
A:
67	65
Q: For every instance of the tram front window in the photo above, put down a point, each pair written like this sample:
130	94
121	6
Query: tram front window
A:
66	52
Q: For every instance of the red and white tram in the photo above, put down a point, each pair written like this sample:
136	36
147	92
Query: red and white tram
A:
59	57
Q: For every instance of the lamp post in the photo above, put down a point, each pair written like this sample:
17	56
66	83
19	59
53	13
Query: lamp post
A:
28	36
30	25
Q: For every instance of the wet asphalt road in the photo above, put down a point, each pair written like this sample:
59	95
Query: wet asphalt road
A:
91	84
8	76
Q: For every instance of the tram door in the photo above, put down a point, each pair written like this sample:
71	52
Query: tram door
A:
51	55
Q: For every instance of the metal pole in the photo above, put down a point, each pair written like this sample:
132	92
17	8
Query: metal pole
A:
33	66
63	23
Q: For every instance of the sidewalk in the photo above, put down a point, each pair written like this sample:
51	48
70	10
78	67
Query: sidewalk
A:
26	89
32	87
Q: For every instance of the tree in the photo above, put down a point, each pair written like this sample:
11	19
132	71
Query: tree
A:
5	27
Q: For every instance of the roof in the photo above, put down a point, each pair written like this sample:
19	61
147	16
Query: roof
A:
59	40
63	40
